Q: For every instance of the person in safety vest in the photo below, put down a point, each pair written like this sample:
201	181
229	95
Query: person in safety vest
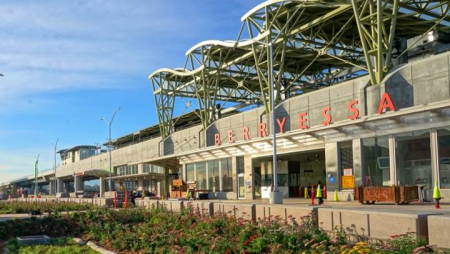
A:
320	192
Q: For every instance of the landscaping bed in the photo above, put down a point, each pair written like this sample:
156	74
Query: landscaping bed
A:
57	246
12	207
160	231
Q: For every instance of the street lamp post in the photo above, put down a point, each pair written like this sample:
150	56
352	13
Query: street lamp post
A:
36	178
276	197
55	189
110	145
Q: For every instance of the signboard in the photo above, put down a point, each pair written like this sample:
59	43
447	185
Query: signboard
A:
348	182
348	171
177	183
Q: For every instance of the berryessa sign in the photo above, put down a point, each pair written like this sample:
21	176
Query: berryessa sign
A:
384	105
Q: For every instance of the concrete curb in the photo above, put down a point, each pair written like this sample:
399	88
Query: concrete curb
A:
93	246
79	241
99	249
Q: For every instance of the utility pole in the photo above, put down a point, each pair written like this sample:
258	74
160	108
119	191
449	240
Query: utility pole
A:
36	178
55	189
110	145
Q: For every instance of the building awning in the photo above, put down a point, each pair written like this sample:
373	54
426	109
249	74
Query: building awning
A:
94	173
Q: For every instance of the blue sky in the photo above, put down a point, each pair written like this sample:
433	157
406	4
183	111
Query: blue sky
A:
69	63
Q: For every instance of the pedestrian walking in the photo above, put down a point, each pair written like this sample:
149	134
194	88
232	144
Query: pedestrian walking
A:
320	192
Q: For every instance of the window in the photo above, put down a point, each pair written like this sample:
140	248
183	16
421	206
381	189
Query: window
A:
227	175
376	167
122	170
127	170
213	176
201	175
129	186
413	154
149	168
240	164
190	174
266	173
444	157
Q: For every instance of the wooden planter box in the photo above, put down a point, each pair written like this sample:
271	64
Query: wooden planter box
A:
394	194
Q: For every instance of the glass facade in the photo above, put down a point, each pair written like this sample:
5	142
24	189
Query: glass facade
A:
413	154
227	174
127	170
190	172
444	157
129	186
149	168
213	176
376	166
200	167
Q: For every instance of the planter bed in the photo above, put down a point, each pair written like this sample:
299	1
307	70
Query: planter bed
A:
134	231
14	207
58	246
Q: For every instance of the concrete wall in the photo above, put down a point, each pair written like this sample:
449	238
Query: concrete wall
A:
370	224
244	211
418	83
133	154
286	213
374	225
183	140
421	82
438	230
337	97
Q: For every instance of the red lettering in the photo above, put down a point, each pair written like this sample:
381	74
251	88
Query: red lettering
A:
355	111
245	133
326	116
230	137
262	130
281	124
217	139
303	120
386	102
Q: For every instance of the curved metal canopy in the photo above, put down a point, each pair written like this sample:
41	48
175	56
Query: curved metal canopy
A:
316	44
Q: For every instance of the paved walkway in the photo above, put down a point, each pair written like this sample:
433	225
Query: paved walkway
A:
6	217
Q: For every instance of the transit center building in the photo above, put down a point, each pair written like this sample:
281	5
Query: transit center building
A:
362	98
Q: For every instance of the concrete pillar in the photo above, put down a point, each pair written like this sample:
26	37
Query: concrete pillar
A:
248	178
59	185
393	160
357	162
434	145
162	188
52	187
140	168
332	166
140	186
78	184
102	186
